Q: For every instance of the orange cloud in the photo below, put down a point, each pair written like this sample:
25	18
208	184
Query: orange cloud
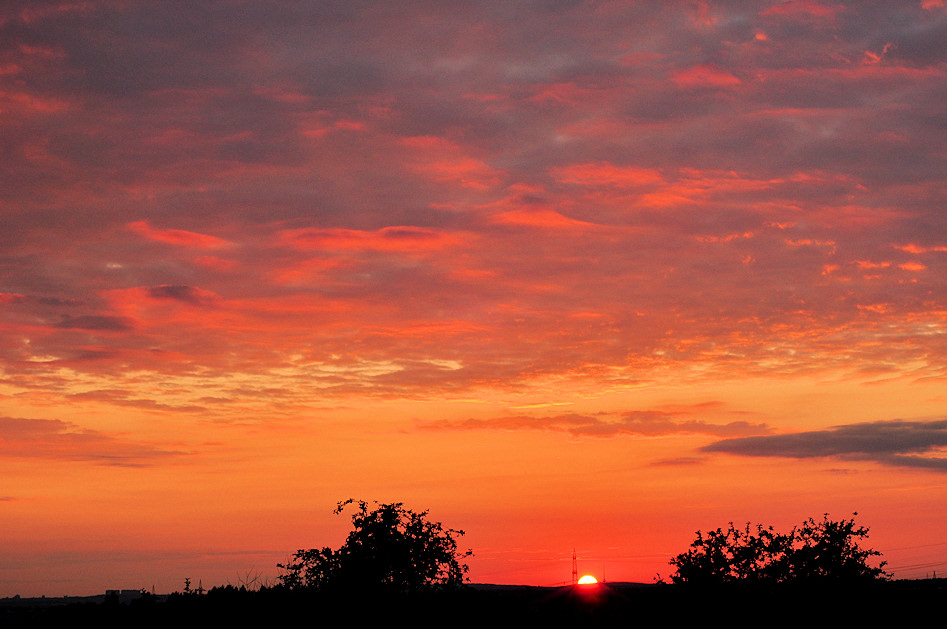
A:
53	439
727	238
912	248
640	423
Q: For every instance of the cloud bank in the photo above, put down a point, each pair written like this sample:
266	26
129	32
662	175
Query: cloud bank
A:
358	194
898	443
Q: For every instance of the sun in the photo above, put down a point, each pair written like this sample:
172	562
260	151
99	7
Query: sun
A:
587	580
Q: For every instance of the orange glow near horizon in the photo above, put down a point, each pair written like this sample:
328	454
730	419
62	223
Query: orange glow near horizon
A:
582	271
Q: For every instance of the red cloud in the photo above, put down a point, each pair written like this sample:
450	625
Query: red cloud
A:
539	218
604	173
705	76
397	238
805	10
446	162
176	236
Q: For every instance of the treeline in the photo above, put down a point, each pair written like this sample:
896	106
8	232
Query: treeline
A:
396	564
816	551
612	604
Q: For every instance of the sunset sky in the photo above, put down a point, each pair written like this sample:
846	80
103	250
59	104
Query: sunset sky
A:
568	274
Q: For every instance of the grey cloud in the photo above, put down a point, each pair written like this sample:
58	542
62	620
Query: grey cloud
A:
94	322
683	460
187	294
897	443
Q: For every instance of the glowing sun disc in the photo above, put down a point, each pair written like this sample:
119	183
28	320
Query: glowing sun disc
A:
587	580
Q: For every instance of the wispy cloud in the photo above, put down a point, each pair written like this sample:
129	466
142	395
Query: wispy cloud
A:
640	423
55	439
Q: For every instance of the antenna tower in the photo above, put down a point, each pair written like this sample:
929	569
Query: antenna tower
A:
575	569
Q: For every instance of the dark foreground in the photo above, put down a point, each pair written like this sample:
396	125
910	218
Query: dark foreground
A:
610	605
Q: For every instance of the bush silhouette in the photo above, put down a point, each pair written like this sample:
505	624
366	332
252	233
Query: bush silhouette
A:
823	550
390	548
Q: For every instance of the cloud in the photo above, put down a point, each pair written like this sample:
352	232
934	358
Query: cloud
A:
705	76
542	218
178	292
176	236
95	322
607	174
898	443
804	9
389	239
54	439
335	179
122	398
640	423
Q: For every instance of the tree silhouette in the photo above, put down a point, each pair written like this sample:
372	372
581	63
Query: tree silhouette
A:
748	554
390	548
824	550
830	550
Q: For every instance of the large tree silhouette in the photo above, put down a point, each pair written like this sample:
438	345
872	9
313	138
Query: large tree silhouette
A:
389	548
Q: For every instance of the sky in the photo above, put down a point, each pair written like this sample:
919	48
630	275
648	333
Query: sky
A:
569	275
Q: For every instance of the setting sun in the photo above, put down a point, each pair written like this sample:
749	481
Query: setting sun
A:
587	580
